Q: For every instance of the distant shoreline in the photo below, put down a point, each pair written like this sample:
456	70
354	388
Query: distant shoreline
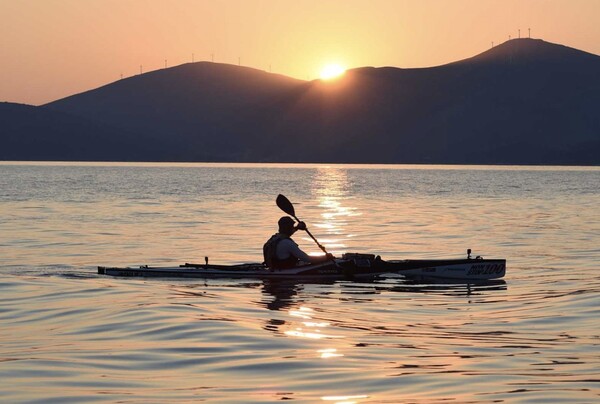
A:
231	164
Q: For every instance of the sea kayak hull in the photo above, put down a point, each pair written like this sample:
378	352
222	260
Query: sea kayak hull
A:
346	268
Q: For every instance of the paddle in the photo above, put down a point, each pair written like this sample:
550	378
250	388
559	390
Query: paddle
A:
285	205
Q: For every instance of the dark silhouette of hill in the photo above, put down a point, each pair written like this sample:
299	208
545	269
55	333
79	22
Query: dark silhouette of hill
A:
523	102
192	108
34	133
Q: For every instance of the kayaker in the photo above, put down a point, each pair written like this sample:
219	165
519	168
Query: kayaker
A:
281	252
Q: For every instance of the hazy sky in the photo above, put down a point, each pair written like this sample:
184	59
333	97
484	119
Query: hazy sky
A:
50	49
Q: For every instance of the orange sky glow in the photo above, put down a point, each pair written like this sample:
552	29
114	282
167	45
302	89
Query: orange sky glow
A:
50	49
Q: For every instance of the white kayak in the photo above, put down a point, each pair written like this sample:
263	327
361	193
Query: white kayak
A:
350	266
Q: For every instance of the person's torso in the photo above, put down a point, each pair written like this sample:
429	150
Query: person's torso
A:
278	252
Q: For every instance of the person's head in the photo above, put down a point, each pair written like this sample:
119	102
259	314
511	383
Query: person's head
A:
286	225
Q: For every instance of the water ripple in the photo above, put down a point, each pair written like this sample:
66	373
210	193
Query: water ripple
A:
69	335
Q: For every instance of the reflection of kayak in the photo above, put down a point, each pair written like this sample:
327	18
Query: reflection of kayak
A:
349	266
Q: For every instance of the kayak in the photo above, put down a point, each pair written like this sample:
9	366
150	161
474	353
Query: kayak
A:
349	266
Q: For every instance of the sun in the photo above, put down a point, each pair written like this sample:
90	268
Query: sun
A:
332	71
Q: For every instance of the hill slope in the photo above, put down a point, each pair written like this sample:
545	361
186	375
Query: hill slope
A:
190	108
35	133
523	102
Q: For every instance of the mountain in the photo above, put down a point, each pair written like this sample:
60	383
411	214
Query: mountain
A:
193	109
35	133
523	102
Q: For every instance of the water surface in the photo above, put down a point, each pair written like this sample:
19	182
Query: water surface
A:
70	335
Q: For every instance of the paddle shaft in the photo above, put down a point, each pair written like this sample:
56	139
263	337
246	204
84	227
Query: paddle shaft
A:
284	204
313	237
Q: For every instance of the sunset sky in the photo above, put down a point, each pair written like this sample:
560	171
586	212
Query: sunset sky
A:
50	49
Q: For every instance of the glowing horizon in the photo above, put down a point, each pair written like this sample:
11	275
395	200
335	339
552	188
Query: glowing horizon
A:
55	48
331	71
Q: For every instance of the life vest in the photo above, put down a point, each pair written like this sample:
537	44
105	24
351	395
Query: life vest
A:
270	254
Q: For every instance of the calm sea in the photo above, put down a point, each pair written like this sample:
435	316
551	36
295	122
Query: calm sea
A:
70	335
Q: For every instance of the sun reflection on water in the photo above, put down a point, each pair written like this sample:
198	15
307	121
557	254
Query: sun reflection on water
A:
329	353
344	399
302	312
317	334
313	328
331	187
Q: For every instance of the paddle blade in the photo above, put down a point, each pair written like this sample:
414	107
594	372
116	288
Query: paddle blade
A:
285	205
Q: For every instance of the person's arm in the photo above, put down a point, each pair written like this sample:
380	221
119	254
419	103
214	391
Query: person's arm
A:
308	258
297	252
302	256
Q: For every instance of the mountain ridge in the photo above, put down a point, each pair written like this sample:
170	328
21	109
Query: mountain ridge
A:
526	101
